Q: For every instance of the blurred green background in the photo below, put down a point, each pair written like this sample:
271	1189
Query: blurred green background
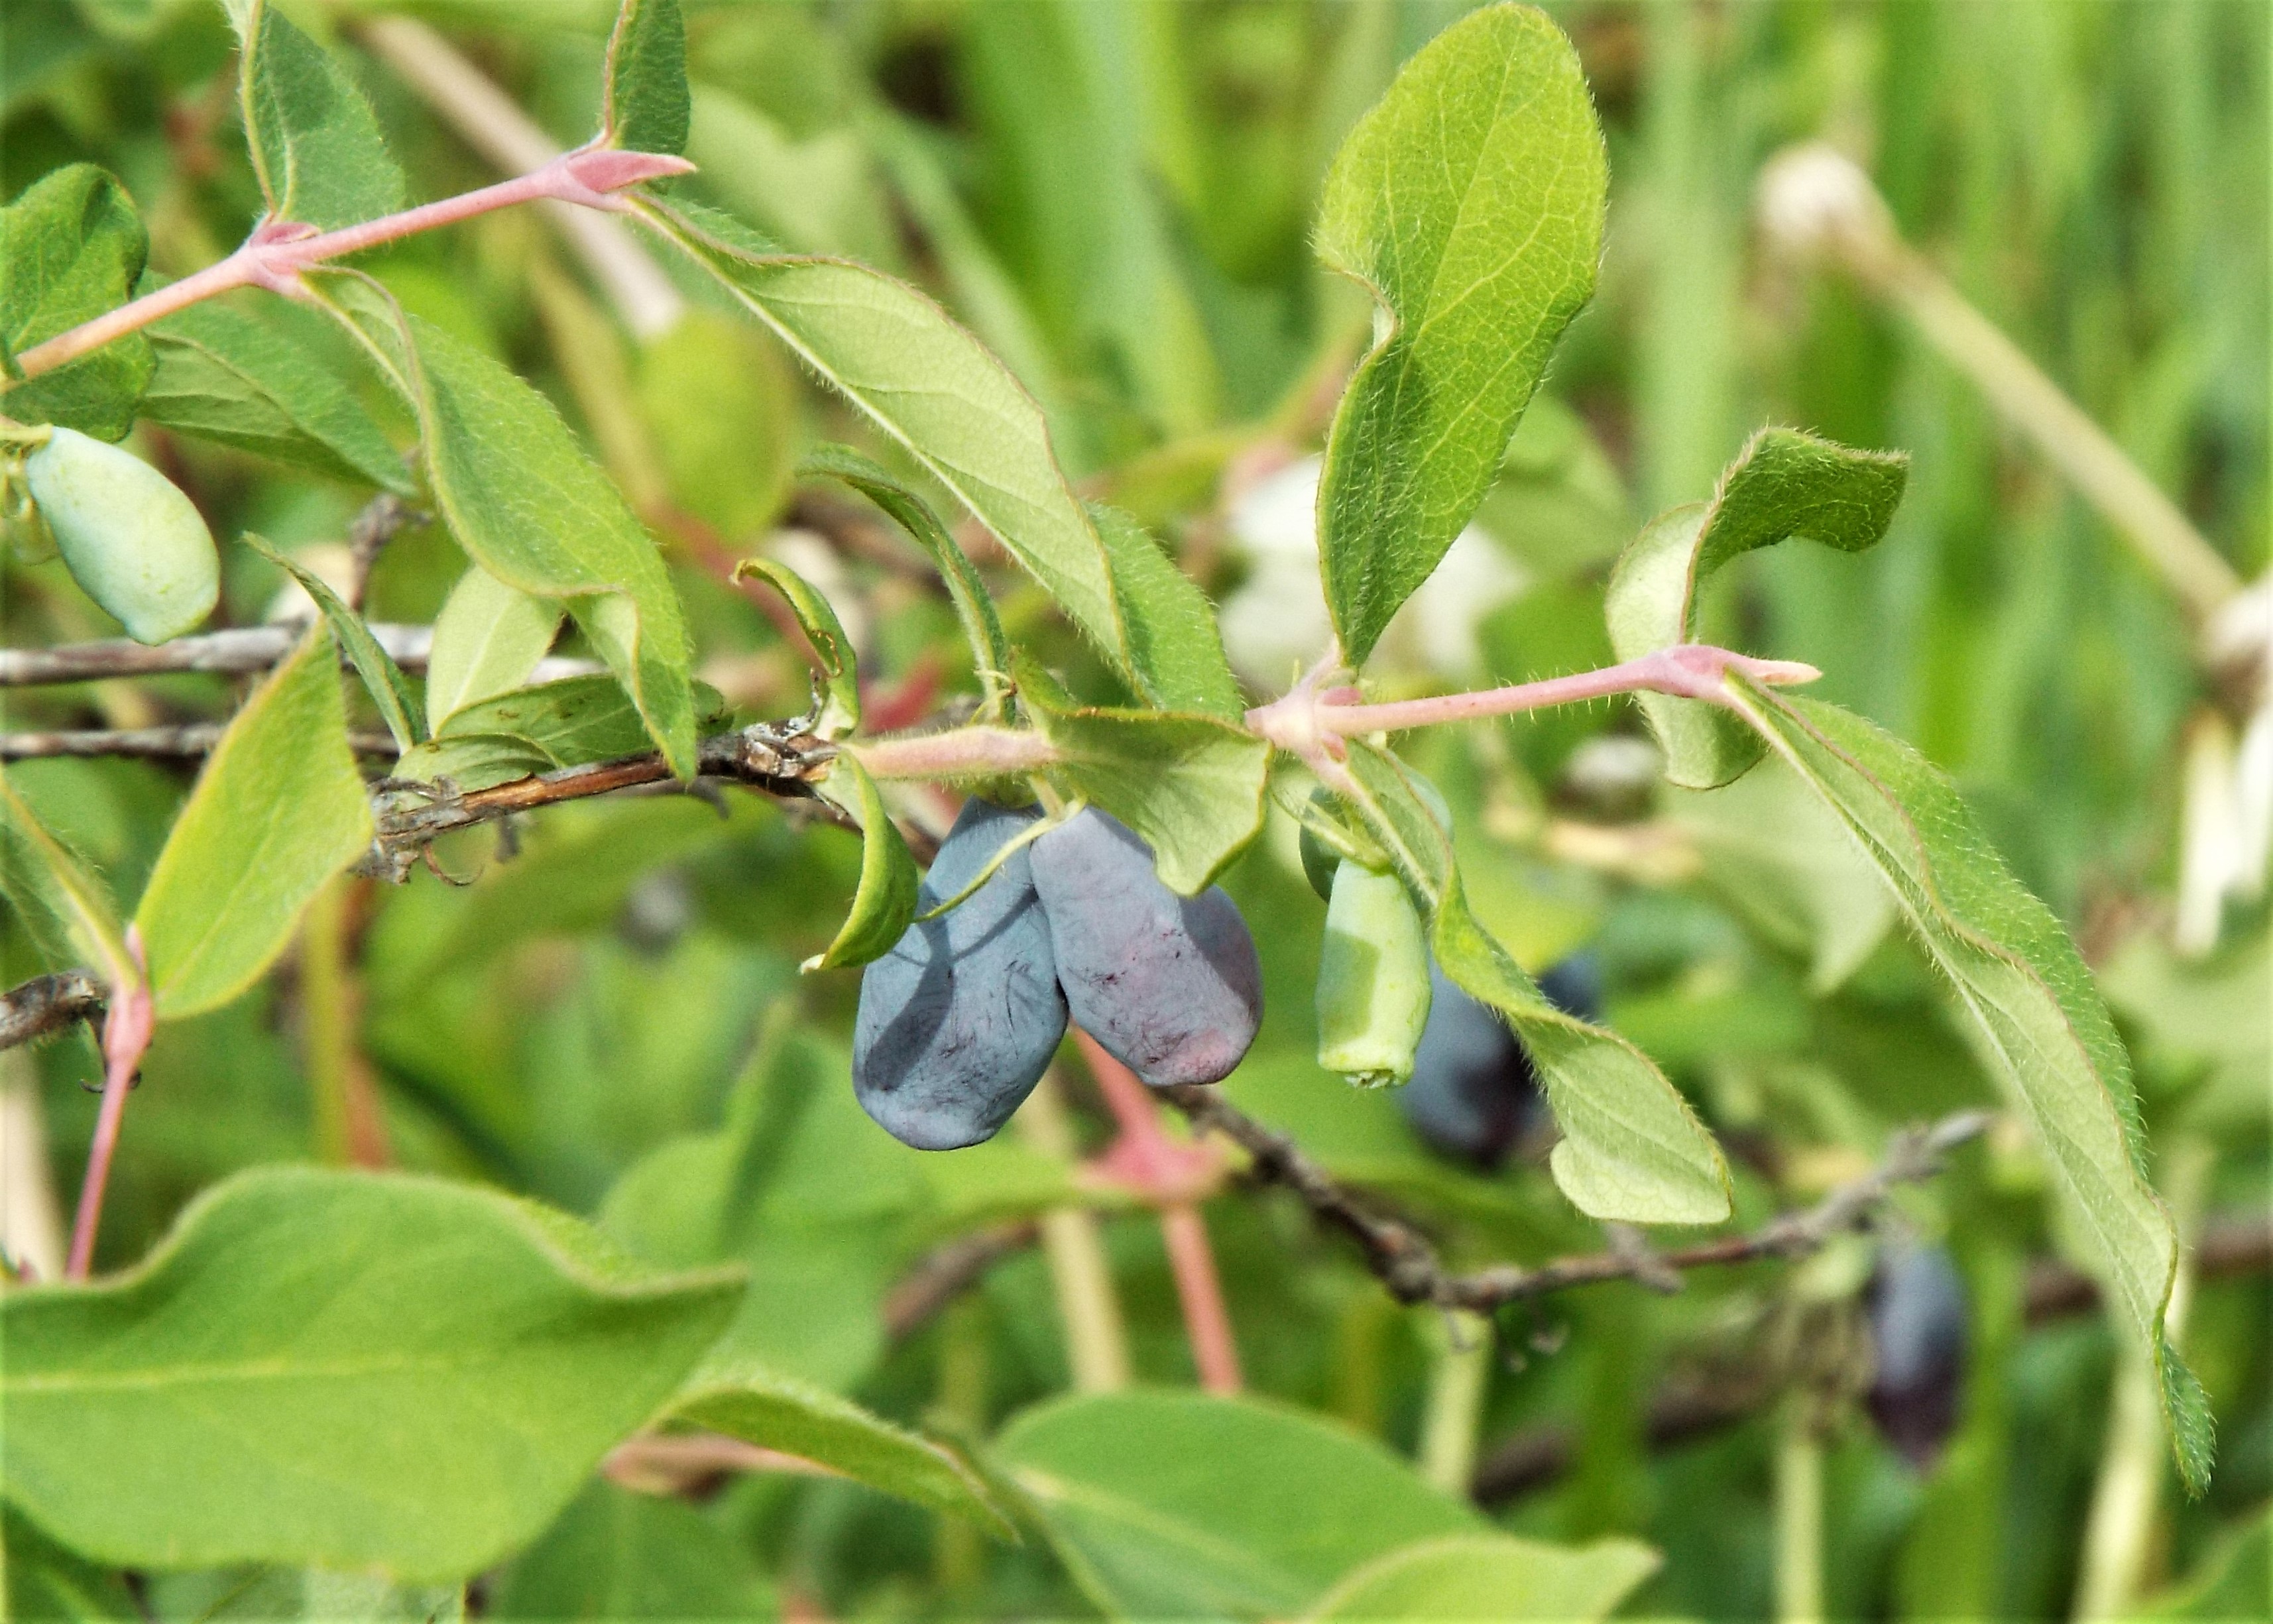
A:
1116	197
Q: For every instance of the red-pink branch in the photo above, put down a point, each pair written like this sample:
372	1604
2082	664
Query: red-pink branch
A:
1311	713
126	1031
1172	1175
280	252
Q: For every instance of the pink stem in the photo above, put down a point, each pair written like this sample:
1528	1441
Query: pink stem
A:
1206	1320
126	1037
278	252
1125	1097
1690	672
1148	1155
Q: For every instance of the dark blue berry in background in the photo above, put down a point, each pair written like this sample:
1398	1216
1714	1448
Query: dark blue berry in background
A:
1473	1093
1169	985
958	1020
1916	1305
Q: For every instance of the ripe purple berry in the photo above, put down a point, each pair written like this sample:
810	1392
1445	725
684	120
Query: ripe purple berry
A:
1169	984
958	1022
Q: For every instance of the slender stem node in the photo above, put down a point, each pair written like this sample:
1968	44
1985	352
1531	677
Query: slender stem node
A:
280	252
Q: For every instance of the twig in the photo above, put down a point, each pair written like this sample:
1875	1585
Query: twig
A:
185	742
2229	1248
46	1004
1407	1264
383	518
946	1272
237	652
775	758
675	1462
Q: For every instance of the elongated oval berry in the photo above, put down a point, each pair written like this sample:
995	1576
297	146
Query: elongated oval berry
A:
958	1020
127	535
1373	979
1916	1310
1169	984
1474	1090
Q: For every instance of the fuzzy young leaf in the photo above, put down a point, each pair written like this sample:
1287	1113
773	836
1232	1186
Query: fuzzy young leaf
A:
982	629
931	386
343	1370
840	676
488	639
390	689
278	810
1173	640
1173	1505
63	906
1492	1577
72	247
886	899
746	1401
2019	978
1632	1148
1190	786
1469	202
534	510
1783	483
316	147
243	380
646	107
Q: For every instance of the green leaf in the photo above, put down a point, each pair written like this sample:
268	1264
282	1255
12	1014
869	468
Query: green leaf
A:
886	899
1776	855
488	641
990	650
614	1555
1180	1505
840	709
71	248
1492	1577
45	1582
239	380
748	1401
572	720
646	107
390	689
471	762
64	906
278	810
534	510
1191	786
316	147
1783	483
341	1370
1172	631
1632	1148
2042	1029
1469	202
931	386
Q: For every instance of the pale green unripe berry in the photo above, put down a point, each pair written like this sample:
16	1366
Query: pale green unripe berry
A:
1373	979
127	535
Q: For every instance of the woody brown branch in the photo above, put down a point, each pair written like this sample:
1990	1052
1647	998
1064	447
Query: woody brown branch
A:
1407	1263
